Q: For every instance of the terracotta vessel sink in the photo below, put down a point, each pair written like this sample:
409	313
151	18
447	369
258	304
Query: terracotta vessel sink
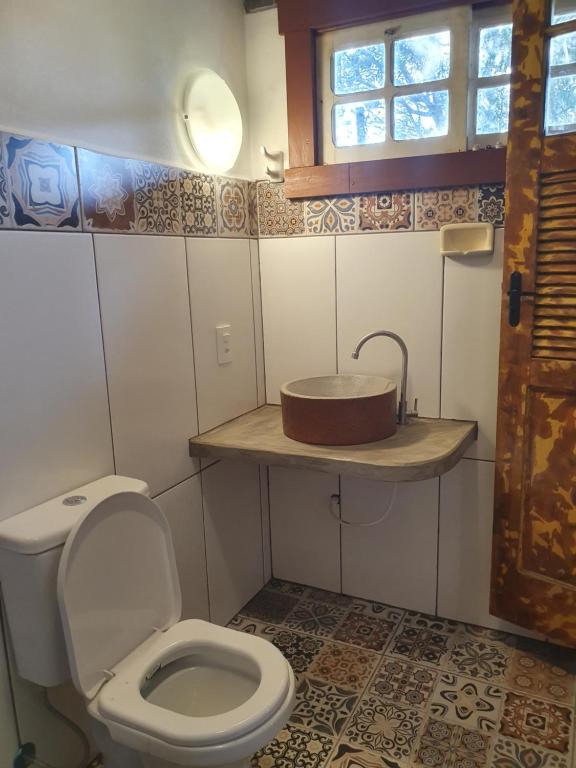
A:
339	410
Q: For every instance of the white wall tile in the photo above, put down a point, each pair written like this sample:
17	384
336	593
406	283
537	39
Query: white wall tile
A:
393	562
258	328
233	524
465	545
149	356
182	505
471	343
266	537
54	418
298	305
305	536
392	282
220	277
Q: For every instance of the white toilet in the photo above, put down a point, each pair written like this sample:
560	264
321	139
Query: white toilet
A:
174	692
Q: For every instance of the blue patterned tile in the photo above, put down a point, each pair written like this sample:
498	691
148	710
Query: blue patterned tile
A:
4	207
331	216
43	184
233	208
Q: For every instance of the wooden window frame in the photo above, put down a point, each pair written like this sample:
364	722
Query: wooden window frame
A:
300	21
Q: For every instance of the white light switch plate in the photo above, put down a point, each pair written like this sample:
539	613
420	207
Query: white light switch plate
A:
224	344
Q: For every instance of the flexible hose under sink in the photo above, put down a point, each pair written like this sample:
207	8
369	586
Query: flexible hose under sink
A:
336	512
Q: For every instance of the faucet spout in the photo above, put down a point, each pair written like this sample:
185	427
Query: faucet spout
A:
402	407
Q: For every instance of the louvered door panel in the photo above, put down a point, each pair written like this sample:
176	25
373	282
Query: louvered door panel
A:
554	329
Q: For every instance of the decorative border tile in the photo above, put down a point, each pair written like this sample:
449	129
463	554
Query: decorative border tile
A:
107	192
232	208
491	205
277	216
387	212
253	208
198	204
43	184
4	207
157	198
436	207
331	216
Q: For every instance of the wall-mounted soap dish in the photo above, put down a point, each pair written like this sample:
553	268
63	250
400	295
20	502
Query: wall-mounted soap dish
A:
466	239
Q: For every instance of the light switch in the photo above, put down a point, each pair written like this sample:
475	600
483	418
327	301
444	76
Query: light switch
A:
224	344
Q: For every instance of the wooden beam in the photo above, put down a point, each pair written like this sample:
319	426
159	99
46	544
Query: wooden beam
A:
486	166
321	15
301	97
318	181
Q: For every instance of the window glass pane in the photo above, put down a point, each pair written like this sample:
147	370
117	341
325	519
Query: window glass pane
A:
492	109
421	115
422	59
561	104
495	51
563	10
563	49
362	122
359	69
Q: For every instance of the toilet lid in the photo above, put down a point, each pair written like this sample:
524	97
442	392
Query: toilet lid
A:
117	583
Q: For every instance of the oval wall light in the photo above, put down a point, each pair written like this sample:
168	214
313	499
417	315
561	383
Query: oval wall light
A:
213	121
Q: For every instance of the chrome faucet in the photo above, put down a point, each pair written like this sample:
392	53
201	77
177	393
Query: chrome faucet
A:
402	409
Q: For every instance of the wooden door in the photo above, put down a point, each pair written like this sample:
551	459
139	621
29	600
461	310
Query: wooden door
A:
534	552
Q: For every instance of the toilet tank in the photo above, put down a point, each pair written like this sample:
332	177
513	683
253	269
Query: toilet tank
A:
31	543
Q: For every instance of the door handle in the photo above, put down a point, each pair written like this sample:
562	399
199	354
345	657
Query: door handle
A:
515	295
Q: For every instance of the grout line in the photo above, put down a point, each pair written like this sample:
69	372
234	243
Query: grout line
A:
208	601
95	263
192	340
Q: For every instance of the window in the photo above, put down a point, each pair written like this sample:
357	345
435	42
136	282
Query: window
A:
437	82
561	92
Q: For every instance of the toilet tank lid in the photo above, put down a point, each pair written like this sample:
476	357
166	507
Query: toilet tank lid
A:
47	525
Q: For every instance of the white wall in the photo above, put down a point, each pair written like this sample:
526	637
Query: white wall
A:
266	66
111	77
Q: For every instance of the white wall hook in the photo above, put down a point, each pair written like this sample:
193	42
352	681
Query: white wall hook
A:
275	167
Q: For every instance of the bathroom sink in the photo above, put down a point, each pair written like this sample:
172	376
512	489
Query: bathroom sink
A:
339	410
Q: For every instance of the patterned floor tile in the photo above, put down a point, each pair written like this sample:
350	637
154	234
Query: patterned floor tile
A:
299	649
253	627
107	192
321	619
157	198
270	606
386	212
43	184
404	683
378	610
417	644
198	204
437	207
532	675
4	207
365	631
331	216
384	727
277	216
434	623
343	665
232	208
543	723
444	745
480	659
511	754
350	756
322	596
289	587
322	706
294	748
491	204
469	703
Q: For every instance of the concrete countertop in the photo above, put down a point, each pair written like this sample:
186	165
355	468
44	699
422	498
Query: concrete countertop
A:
421	449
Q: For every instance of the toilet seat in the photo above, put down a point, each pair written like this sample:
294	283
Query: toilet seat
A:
119	599
121	700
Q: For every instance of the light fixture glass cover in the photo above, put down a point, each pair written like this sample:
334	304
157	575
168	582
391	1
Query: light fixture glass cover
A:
213	121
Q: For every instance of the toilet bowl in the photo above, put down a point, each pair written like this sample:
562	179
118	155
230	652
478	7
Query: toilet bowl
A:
176	692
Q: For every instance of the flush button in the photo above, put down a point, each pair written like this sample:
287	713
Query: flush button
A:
74	501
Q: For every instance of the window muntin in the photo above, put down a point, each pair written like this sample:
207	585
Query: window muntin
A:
434	83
